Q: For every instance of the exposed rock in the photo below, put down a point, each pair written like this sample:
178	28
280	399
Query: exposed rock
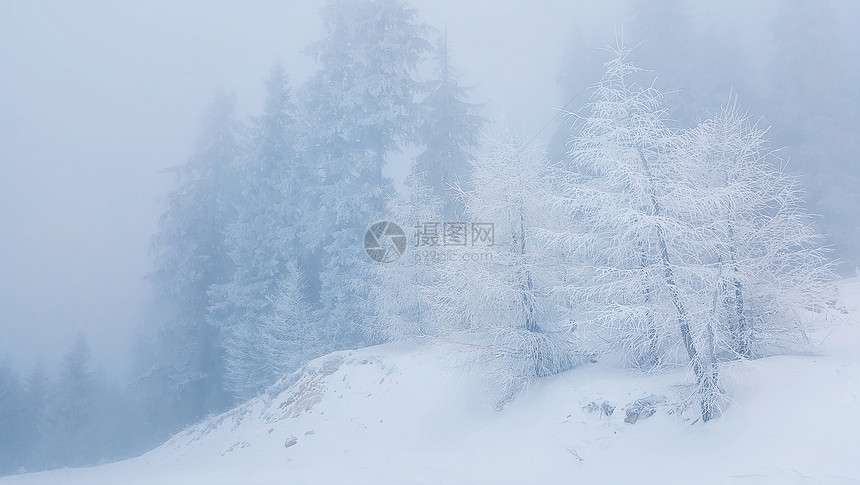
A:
642	408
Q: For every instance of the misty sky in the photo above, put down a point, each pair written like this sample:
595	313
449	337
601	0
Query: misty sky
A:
100	97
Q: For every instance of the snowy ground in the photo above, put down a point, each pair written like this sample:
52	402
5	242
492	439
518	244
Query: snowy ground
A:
406	414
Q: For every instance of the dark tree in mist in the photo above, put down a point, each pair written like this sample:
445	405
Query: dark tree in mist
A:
73	416
449	133
36	431
182	378
12	413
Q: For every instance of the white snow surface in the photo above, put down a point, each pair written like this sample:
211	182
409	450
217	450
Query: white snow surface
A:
419	414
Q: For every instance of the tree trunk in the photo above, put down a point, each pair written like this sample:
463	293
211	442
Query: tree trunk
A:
741	333
651	358
706	378
528	287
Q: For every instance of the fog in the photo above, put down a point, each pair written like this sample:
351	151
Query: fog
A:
101	99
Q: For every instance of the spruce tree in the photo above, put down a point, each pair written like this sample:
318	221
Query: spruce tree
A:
448	131
359	107
182	376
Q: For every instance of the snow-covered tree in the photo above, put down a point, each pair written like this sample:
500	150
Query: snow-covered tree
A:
247	370
500	289
620	197
358	107
605	192
448	131
260	349
689	246
396	307
769	269
263	238
290	335
263	241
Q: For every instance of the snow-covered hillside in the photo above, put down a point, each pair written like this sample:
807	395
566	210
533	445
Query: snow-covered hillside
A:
415	414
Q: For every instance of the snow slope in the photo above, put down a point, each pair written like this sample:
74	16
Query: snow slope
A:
399	414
